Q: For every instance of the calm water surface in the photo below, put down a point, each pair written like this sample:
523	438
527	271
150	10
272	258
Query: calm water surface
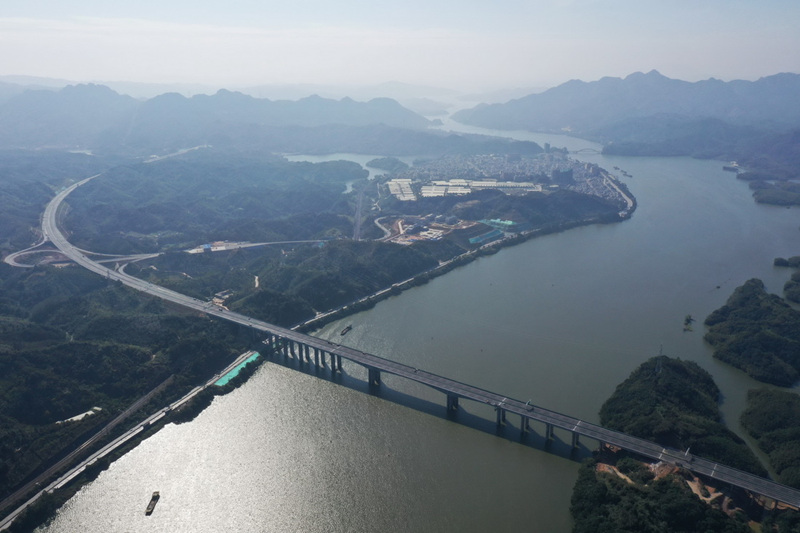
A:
560	320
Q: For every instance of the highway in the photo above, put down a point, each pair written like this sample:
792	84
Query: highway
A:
447	386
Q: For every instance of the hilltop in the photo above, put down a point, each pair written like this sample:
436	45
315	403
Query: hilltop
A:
94	117
651	114
587	107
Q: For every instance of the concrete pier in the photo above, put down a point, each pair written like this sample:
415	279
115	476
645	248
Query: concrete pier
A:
374	377
452	403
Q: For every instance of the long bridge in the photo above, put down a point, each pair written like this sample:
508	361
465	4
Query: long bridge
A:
326	354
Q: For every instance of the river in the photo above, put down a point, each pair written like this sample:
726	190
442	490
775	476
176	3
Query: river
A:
560	320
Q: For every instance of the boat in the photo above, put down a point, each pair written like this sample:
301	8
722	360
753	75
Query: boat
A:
345	330
152	505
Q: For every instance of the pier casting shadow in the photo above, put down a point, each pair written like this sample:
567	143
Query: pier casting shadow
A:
463	416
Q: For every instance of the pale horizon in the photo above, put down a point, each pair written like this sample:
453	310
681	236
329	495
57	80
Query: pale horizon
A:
464	47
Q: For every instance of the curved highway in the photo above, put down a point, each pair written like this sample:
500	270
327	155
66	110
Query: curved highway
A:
451	388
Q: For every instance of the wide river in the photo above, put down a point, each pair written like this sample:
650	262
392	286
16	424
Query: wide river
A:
560	320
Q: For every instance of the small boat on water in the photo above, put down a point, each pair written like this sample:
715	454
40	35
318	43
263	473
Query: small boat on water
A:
152	505
345	330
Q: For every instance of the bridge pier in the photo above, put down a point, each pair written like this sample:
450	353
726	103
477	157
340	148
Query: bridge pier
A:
374	377
275	344
501	417
452	403
525	424
292	349
548	434
268	343
316	357
285	346
575	440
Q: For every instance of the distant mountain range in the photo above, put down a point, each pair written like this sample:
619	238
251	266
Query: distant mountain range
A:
582	107
650	114
94	116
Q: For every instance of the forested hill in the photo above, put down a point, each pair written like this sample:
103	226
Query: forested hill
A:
758	333
582	107
674	403
650	114
95	117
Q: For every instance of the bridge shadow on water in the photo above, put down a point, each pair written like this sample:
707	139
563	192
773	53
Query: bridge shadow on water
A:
470	414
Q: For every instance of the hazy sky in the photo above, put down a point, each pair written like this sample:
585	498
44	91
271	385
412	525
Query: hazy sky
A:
460	44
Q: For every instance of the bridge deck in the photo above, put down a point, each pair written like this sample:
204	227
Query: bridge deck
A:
448	386
624	441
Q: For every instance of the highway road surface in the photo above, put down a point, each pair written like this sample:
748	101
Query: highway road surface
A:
447	386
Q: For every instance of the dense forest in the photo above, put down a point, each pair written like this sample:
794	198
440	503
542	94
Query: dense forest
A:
208	196
772	417
674	403
293	281
791	289
70	341
29	179
758	333
605	503
389	164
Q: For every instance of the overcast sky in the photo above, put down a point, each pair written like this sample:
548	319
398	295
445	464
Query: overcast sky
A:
461	44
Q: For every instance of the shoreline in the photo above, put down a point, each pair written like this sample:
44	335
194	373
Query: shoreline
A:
369	301
45	502
109	446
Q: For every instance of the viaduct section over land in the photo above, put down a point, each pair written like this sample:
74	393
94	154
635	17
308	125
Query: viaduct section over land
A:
328	354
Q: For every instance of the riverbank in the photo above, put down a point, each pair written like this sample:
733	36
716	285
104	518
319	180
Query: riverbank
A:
367	302
561	319
200	398
113	445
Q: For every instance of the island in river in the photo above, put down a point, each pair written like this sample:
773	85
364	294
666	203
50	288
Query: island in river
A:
674	403
758	333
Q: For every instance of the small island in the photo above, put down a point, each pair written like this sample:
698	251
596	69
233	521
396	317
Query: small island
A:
674	403
758	333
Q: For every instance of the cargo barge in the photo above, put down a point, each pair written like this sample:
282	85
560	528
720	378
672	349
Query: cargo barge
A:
152	505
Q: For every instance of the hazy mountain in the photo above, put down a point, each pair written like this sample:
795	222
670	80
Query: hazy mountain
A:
580	107
9	90
144	91
401	92
501	95
73	117
36	82
92	116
